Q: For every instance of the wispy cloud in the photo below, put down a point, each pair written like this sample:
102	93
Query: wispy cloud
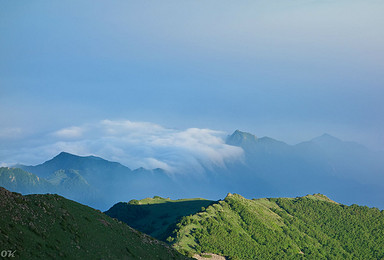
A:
70	132
10	132
141	144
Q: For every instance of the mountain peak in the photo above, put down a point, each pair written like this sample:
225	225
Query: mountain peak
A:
64	155
243	134
240	138
319	196
326	138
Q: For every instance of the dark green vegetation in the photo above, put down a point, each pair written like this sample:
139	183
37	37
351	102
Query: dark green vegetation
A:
52	227
311	227
156	216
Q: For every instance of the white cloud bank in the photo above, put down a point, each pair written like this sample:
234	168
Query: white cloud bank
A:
141	144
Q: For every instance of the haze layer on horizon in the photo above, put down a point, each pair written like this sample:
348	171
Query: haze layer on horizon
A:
289	70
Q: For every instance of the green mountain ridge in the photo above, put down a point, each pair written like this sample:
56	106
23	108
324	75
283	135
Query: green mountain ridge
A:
52	227
156	216
309	227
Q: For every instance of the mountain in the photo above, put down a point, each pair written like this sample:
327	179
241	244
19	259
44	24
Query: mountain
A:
243	139
24	182
72	185
251	144
156	216
348	171
95	181
347	159
313	227
93	168
67	183
52	227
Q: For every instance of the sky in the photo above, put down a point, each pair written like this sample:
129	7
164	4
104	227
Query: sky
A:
291	70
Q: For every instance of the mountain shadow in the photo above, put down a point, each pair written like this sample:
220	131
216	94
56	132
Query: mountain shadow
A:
156	216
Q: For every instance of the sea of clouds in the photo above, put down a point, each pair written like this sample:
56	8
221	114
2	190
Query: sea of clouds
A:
134	144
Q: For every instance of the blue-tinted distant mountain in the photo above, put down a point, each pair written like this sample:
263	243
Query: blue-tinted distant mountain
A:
81	174
24	182
88	165
326	138
68	183
97	182
257	146
331	145
345	159
242	139
72	185
345	170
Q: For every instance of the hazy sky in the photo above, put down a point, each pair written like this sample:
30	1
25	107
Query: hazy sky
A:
291	70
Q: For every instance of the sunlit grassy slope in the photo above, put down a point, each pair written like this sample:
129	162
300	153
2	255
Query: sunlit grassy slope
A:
52	227
312	227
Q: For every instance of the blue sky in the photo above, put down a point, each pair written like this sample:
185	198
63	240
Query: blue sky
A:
291	70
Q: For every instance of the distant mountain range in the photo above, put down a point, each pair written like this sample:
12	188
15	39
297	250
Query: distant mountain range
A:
90	180
345	171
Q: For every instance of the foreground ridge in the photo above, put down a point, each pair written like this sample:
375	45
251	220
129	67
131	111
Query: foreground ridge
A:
50	226
312	226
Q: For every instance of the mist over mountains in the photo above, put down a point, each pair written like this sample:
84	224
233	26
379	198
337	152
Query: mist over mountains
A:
344	171
135	144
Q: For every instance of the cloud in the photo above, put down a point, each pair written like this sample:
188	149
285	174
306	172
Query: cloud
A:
10	132
142	144
69	133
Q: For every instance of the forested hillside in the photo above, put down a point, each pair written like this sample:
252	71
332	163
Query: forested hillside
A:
52	227
312	227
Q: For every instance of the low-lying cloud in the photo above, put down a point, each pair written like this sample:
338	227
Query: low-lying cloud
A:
138	144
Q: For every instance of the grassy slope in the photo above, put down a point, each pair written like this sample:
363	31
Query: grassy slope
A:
156	216
50	226
312	227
